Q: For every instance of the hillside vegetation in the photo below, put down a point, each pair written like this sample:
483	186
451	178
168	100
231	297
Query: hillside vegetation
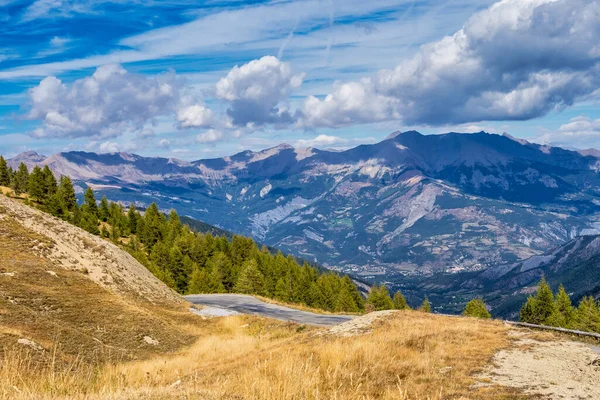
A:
69	298
187	261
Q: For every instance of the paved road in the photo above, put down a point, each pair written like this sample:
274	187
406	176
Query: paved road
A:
251	305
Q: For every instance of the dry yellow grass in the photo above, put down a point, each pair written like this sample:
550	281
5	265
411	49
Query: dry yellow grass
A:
408	356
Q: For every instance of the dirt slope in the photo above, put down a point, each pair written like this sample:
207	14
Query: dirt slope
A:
75	249
66	292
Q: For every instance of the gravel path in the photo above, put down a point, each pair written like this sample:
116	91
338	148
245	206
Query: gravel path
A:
553	369
251	305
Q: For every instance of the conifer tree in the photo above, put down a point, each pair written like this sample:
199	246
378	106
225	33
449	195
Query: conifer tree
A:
153	226
527	313
50	185
4	173
344	301
426	306
199	282
89	199
66	193
476	308
251	280
55	206
20	181
400	301
379	298
562	315
587	315
282	291
37	185
103	211
132	218
544	302
88	220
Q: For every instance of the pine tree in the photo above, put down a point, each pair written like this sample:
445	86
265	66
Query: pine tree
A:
199	282
345	302
354	292
55	206
544	302
50	185
379	298
527	313
154	223
20	181
587	315
476	308
282	292
132	218
426	306
37	185
400	301
89	199
103	211
89	220
4	173
66	193
251	280
562	314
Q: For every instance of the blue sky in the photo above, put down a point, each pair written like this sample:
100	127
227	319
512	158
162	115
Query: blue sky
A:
197	79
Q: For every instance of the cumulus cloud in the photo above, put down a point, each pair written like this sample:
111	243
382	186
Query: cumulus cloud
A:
257	91
517	60
210	136
109	103
195	116
581	132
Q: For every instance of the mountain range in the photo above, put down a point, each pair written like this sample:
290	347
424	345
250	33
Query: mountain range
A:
411	204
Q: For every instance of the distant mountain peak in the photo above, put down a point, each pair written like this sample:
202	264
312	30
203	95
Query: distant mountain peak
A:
520	141
400	133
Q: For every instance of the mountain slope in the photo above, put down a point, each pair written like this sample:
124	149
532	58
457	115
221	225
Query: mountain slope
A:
409	204
68	293
575	264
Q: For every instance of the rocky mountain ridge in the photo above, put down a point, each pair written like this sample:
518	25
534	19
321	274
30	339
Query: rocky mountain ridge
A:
411	204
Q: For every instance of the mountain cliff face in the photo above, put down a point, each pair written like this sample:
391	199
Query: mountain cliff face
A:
409	204
575	264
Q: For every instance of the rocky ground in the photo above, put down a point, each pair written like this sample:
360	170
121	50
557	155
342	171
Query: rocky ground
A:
540	365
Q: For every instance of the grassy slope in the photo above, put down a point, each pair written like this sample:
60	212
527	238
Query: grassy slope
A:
410	355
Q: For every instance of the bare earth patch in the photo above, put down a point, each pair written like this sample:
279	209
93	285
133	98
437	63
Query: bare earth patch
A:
556	369
359	325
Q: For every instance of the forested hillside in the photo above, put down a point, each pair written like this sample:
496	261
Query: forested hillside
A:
188	261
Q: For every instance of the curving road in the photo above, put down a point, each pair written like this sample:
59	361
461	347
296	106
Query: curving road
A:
251	305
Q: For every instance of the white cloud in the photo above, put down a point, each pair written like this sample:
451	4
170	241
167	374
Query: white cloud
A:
210	136
321	141
164	143
195	116
256	90
335	142
581	132
108	103
517	60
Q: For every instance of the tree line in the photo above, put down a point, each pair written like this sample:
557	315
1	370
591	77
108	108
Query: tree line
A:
547	308
187	261
379	299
